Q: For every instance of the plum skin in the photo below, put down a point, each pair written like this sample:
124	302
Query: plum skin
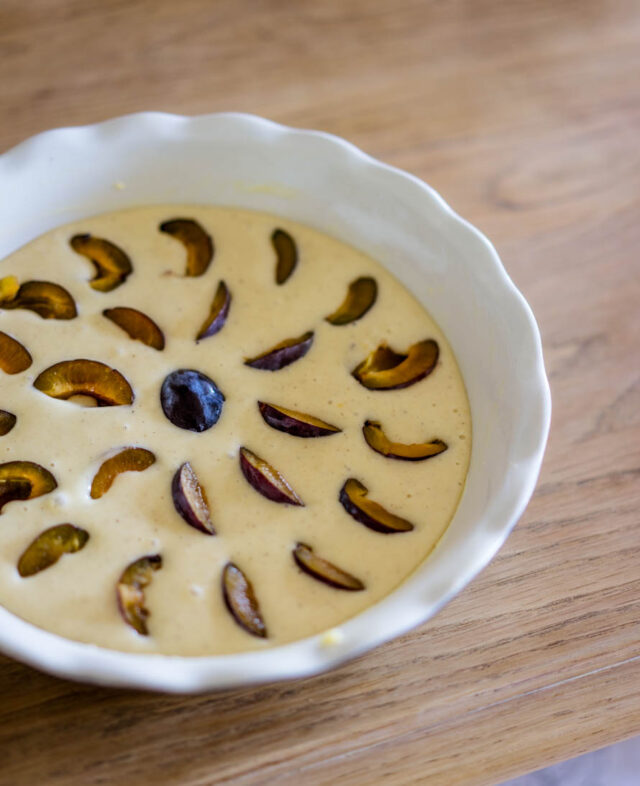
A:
191	400
241	601
266	479
190	500
353	498
283	354
297	424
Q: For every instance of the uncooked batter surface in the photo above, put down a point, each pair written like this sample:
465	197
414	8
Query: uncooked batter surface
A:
76	596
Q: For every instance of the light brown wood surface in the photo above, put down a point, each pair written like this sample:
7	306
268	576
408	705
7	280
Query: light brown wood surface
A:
526	116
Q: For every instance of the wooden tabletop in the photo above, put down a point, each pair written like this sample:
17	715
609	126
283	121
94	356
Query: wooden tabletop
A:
526	117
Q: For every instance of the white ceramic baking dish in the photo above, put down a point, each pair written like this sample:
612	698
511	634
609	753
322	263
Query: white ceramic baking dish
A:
327	183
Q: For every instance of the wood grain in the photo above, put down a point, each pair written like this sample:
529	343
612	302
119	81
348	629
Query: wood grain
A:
526	116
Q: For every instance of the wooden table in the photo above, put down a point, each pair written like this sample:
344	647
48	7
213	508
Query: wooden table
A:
526	117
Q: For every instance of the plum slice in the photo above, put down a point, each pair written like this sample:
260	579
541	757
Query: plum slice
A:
419	451
323	570
190	499
136	325
218	313
130	591
283	354
9	287
85	377
49	546
126	460
381	359
14	358
111	263
361	295
24	480
13	489
286	253
7	421
197	242
50	301
266	480
241	601
385	369
297	424
353	496
191	400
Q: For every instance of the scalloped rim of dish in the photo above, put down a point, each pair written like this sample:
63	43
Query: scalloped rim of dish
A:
421	595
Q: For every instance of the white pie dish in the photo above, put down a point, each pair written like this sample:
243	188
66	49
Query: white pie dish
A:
320	180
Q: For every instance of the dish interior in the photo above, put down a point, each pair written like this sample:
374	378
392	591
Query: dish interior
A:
137	516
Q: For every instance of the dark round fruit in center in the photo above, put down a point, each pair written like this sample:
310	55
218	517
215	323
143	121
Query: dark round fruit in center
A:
191	400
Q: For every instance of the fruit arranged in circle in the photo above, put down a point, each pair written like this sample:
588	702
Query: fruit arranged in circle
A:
136	325
266	479
361	296
283	354
197	242
323	570
24	480
241	601
190	499
111	263
49	546
87	378
297	424
126	460
287	254
191	400
130	591
7	421
50	301
218	313
14	358
384	369
353	497
223	538
419	451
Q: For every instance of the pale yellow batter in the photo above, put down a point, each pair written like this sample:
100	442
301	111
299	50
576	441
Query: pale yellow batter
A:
76	597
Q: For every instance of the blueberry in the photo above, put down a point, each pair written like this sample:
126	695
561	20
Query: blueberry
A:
191	400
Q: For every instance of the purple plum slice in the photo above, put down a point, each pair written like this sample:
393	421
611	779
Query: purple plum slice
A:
266	480
286	253
297	424
323	570
241	601
283	354
217	314
190	499
353	497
